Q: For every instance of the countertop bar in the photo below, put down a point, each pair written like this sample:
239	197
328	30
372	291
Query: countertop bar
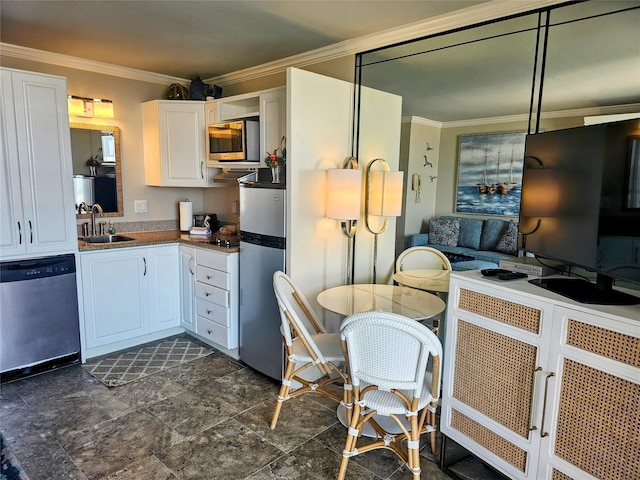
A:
141	239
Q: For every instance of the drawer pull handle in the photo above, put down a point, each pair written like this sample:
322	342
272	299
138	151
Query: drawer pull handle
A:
209	277
207	294
533	386
209	331
208	312
544	405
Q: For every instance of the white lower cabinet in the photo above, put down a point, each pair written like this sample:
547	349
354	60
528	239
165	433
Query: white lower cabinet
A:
541	387
188	281
130	295
216	299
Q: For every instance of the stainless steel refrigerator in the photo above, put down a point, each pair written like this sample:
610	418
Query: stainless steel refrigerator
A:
262	252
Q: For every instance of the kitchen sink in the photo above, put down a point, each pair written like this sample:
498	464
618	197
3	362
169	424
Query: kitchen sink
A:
107	239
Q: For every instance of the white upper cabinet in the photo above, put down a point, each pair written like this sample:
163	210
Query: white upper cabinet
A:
269	106
273	120
36	198
175	150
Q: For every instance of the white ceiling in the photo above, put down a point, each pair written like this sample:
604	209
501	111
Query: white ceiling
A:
594	68
206	38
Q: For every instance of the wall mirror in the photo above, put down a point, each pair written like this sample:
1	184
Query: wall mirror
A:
97	168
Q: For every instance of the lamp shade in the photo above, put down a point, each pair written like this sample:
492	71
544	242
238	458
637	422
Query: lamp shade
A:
103	108
385	193
541	193
344	190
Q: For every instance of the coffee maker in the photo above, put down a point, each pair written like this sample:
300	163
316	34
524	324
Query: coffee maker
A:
206	220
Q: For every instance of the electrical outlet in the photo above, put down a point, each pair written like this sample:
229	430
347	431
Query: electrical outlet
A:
235	207
140	206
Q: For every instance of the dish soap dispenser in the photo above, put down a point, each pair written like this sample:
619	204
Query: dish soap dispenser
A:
112	228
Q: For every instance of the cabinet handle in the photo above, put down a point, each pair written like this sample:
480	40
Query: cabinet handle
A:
209	331
209	277
30	232
544	404
19	234
201	170
533	386
207	294
144	259
191	260
208	312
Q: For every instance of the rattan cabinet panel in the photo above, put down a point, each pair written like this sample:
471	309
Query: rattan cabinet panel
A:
541	387
488	362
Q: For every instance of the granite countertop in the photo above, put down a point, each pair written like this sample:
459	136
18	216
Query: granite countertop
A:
142	239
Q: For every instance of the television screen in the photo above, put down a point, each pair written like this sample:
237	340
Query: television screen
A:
581	189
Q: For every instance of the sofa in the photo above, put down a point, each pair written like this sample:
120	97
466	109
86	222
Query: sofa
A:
470	243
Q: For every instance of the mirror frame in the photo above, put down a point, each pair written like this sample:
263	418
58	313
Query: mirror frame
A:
116	139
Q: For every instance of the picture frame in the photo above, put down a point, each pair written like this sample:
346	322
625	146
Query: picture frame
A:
489	177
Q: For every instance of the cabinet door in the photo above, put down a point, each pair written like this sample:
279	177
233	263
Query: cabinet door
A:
163	275
212	112
12	239
188	279
272	119
44	157
115	295
174	143
492	376
592	414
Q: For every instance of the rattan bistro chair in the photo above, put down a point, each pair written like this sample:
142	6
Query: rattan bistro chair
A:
387	356
313	360
422	258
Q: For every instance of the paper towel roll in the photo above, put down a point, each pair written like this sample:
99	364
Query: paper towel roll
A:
186	216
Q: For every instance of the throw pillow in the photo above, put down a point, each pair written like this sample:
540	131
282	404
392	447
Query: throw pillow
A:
509	241
444	232
470	231
492	233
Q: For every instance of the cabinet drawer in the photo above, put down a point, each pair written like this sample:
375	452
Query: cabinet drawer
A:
215	313
208	258
212	294
216	333
212	277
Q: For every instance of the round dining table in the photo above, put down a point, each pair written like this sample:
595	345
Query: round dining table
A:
410	302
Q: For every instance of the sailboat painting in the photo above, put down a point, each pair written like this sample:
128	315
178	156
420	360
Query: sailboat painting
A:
490	173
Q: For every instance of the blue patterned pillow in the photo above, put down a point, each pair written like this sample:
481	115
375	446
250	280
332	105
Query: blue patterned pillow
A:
509	241
492	232
444	232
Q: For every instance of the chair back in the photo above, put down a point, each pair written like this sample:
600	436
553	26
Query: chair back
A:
422	258
296	315
391	351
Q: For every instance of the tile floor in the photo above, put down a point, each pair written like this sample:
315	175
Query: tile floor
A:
208	419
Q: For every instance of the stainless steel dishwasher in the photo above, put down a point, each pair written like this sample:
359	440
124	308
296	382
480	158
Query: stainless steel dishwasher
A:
38	313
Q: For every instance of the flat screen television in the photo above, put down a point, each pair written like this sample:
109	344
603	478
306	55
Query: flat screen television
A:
580	205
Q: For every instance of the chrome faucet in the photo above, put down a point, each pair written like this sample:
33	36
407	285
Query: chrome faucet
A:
94	207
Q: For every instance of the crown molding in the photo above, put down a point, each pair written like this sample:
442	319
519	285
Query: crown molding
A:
627	109
492	10
484	12
421	121
32	54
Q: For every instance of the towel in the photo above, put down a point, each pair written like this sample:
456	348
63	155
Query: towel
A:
199	231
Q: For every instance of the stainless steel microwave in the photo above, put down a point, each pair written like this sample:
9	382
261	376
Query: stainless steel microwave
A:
237	141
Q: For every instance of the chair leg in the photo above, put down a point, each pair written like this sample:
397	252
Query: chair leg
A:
282	394
413	453
434	438
350	443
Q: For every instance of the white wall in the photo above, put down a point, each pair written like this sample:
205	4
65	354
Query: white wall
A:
416	134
